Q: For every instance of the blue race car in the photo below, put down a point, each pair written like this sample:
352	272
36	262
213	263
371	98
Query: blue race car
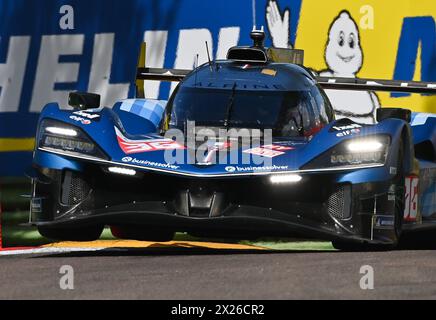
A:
244	148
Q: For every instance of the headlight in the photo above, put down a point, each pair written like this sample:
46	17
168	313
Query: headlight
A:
365	145
62	131
354	153
68	139
122	171
285	178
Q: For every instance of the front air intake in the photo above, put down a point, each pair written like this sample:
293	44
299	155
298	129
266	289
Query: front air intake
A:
339	203
74	189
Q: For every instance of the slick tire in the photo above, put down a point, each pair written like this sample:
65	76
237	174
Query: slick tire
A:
142	234
72	234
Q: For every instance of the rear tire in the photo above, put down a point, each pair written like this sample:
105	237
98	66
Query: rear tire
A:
91	233
142	234
422	240
361	247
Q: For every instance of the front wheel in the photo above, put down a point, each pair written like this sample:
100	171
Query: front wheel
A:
142	234
90	233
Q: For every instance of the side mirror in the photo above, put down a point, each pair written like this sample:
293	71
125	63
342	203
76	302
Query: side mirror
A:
394	113
84	100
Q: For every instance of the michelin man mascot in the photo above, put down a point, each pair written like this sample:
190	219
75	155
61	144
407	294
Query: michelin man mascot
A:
344	59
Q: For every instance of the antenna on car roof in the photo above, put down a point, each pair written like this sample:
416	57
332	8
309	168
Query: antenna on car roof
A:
208	56
253	4
258	37
196	69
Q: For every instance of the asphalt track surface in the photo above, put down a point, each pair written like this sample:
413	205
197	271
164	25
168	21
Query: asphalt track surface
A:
190	273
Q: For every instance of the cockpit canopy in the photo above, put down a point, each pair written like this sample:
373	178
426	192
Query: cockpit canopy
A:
280	97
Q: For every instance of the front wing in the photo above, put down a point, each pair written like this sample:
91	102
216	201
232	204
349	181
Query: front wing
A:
323	205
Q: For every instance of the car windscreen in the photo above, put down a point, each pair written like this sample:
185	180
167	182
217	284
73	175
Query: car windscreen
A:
287	113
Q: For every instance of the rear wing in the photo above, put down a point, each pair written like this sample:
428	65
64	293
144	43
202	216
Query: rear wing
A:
376	85
153	74
156	74
331	83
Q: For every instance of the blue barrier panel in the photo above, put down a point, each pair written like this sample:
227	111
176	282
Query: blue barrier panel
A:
50	47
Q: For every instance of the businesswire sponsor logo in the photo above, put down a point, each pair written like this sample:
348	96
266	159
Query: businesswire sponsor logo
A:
232	169
149	163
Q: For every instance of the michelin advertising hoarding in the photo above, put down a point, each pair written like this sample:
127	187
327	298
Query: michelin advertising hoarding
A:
51	47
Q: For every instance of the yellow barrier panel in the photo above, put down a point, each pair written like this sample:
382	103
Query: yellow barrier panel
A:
379	25
17	145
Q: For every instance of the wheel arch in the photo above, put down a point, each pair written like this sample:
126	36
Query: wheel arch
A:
409	149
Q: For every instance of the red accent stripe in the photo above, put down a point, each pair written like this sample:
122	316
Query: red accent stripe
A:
314	130
17	248
1	236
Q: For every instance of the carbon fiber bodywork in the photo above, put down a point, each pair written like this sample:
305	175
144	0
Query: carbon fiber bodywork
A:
319	206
